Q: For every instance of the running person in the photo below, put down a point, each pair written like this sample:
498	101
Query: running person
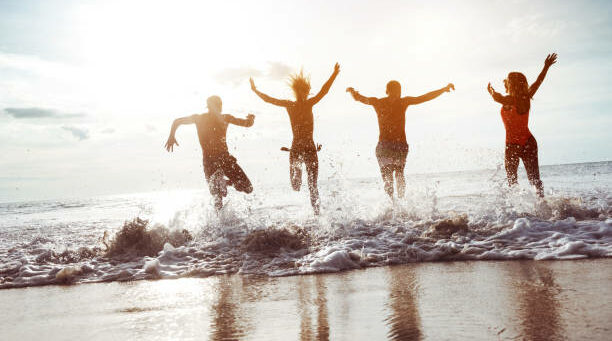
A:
219	164
520	143
303	148
392	148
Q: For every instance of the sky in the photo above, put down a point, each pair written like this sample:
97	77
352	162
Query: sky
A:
89	89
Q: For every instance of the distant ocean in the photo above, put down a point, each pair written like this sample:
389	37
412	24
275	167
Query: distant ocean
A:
445	217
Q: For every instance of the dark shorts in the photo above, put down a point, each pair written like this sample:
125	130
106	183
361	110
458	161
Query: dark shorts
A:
303	152
219	167
391	154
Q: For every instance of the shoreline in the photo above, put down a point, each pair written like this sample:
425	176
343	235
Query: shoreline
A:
256	275
436	300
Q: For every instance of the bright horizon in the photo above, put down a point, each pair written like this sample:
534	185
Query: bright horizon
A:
88	90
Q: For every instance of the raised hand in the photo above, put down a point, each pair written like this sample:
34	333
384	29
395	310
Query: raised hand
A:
170	143
450	87
336	68
252	84
550	60
251	118
350	89
490	88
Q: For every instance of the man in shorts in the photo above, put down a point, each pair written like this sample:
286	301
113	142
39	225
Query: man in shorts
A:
392	147
220	167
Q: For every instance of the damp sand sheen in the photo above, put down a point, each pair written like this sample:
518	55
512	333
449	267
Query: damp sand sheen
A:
496	300
460	256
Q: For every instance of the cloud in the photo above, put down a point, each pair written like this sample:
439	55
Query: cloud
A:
33	112
30	112
36	65
535	26
236	75
81	134
278	70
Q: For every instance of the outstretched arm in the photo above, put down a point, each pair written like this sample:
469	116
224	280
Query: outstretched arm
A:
179	121
497	97
550	60
325	88
361	98
266	98
243	122
428	96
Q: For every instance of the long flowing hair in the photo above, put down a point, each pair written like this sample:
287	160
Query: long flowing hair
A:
300	84
518	88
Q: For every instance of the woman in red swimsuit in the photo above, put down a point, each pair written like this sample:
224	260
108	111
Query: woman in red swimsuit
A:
520	143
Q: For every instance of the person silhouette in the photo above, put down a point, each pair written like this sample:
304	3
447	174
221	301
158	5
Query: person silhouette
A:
303	149
220	167
520	143
392	148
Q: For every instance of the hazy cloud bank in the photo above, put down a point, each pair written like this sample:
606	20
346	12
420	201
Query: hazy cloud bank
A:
79	133
33	112
235	76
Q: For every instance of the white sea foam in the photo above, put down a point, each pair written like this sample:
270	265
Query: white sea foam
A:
448	217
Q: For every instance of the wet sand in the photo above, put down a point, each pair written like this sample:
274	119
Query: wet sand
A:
524	300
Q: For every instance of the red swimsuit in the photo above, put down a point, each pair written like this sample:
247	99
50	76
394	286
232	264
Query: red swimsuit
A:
520	144
517	130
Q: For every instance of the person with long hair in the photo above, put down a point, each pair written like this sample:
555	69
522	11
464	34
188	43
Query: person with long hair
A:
520	143
303	149
392	148
220	167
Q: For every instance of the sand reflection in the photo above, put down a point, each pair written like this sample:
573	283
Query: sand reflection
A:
304	300
404	321
310	300
537	294
322	315
229	321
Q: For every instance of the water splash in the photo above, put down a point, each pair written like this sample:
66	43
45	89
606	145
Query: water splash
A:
455	216
136	239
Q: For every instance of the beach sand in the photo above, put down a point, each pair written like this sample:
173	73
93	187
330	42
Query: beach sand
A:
479	300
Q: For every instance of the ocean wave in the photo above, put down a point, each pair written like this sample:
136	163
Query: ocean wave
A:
469	216
394	236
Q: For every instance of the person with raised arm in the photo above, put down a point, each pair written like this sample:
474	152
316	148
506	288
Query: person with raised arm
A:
392	148
220	167
303	149
520	143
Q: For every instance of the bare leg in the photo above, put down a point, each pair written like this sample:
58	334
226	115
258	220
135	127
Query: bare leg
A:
236	176
511	162
387	176
530	160
218	202
295	171
312	168
217	188
400	181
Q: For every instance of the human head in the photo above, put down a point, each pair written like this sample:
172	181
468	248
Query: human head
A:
394	89
516	84
214	104
518	88
300	84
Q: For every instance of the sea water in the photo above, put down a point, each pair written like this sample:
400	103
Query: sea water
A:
456	216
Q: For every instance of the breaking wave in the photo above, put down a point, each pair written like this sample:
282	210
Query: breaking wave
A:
358	228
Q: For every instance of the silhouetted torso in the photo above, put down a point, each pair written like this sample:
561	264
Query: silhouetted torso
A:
391	115
211	132
517	125
302	122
